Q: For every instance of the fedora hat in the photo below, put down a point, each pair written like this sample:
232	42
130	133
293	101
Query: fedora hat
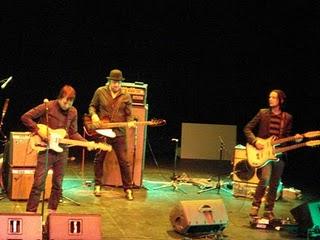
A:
115	75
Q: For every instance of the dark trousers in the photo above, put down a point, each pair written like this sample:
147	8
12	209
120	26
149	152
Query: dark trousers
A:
270	178
56	162
119	145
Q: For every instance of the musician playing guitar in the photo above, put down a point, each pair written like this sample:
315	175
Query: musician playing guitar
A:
273	123
112	103
56	114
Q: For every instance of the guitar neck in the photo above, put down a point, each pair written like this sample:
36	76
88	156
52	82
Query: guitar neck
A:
283	140
122	124
73	142
291	147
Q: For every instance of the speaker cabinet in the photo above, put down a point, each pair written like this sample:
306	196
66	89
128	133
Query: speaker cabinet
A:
20	183
136	139
307	215
242	171
199	217
21	154
20	226
74	226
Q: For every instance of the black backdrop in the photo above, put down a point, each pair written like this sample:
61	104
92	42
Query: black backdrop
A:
204	61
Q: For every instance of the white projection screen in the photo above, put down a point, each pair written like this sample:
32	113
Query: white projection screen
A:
208	141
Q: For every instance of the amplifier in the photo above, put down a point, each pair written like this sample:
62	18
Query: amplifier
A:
137	90
20	182
20	153
245	189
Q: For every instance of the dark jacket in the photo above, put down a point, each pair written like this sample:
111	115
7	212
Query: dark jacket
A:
260	122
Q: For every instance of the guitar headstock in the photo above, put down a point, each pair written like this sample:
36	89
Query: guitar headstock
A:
157	122
313	143
312	134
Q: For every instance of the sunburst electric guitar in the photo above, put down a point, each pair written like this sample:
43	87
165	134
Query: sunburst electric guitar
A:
56	137
104	127
270	152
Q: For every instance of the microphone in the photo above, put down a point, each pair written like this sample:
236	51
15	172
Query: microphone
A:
6	82
5	107
45	101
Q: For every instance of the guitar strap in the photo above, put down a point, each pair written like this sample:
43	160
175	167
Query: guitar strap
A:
116	109
282	121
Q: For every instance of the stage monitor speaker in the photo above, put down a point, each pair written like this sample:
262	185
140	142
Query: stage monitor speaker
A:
20	183
74	226
20	226
307	215
242	171
136	139
21	154
197	217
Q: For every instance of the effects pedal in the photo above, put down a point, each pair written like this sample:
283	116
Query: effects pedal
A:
274	224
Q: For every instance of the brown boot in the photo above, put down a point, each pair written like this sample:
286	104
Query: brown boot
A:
254	211
269	215
97	191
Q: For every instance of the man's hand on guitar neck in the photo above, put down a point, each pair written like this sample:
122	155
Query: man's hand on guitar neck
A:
298	137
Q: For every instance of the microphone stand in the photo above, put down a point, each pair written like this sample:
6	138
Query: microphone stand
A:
4	140
47	156
218	185
175	179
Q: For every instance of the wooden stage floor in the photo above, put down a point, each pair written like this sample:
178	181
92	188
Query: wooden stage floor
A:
148	216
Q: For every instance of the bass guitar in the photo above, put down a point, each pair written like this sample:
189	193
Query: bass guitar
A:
259	158
56	137
104	127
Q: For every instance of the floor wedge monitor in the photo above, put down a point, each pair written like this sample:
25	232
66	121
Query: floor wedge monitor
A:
196	217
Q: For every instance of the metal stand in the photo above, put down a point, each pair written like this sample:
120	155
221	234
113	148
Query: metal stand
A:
4	140
218	185
69	199
175	179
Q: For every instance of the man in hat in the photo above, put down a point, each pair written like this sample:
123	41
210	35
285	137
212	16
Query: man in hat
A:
110	103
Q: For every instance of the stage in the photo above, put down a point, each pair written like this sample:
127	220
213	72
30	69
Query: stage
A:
148	216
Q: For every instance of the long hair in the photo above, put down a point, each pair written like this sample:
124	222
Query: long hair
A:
282	97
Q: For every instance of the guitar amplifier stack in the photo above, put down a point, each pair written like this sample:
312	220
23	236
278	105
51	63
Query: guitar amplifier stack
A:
136	139
22	160
245	178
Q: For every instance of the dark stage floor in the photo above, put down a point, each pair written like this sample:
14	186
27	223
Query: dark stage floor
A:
148	216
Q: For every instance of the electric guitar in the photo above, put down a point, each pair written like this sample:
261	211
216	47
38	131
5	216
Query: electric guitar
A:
56	137
104	127
259	158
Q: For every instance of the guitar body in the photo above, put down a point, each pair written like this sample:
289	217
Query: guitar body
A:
56	137
259	158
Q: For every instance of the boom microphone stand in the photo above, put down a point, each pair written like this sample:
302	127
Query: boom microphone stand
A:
3	165
47	156
218	185
175	179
